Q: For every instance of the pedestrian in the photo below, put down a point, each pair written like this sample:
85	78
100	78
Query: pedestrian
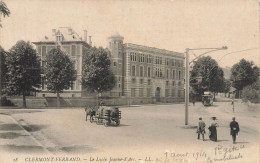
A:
201	129
234	129
213	130
193	101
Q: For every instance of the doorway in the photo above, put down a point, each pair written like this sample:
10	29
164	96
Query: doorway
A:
157	94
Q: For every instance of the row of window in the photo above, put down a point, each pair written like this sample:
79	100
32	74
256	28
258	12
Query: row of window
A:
167	83
158	60
168	92
140	58
71	50
158	72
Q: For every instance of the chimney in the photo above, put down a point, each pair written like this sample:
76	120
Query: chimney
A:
90	42
53	32
85	36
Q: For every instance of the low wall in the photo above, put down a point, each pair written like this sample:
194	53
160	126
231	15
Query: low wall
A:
37	102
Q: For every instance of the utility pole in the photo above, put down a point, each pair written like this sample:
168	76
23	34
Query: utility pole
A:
187	81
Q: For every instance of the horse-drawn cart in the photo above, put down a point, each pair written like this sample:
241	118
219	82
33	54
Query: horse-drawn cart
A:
104	115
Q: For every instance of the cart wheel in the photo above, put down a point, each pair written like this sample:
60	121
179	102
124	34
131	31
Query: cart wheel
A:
91	119
106	123
117	122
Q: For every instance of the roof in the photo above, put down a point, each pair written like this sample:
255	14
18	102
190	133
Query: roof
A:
67	33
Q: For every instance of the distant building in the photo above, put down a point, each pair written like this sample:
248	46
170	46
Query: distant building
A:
146	72
74	46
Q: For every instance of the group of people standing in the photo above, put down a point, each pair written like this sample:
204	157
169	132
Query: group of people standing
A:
234	129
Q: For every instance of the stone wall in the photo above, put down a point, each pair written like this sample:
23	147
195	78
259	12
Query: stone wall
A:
37	102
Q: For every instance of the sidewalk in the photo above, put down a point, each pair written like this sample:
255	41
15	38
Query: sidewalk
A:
14	138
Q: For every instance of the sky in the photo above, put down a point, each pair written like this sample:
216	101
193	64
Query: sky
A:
166	24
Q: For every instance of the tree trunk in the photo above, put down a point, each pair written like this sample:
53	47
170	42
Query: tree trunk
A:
58	100
24	100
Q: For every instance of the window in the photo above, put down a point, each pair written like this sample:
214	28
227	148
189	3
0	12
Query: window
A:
173	62
149	82
173	83
167	83
141	58
73	50
141	81
157	60
119	85
160	73
173	74
160	60
179	75
148	72
167	73
133	81
39	50
141	71
114	63
141	92
133	70
133	56
179	83
132	92
167	61
149	59
119	78
44	51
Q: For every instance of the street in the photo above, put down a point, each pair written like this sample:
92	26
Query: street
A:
155	132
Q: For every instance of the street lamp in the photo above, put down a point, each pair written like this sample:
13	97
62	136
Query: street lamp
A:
187	83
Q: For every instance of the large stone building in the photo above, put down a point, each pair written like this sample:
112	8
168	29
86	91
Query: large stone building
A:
146	72
142	72
74	46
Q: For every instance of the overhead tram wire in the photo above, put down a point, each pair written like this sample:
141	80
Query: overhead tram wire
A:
236	52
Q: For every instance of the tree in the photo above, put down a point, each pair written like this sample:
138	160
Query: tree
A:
23	70
96	74
60	72
2	72
243	74
212	76
3	10
251	92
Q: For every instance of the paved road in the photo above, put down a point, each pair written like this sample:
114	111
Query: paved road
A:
149	130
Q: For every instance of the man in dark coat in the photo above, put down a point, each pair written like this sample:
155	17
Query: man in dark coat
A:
201	128
234	129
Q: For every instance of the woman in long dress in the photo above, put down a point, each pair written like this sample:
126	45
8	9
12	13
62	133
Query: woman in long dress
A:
213	130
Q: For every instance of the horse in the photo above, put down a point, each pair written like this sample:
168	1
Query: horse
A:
90	111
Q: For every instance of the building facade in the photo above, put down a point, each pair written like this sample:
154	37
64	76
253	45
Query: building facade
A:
146	72
141	71
74	46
